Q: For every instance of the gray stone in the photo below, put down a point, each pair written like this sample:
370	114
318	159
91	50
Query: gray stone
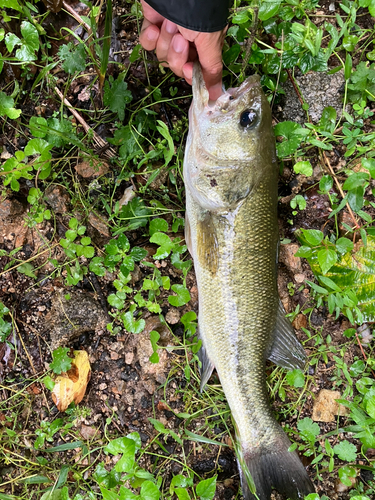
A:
319	90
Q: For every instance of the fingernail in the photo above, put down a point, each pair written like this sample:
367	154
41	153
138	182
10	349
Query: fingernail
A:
152	35
170	27
179	43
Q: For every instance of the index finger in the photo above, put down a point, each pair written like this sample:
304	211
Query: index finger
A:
209	48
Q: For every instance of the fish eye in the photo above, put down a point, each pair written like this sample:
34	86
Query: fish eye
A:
248	118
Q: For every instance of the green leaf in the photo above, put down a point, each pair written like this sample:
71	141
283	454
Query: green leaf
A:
344	245
268	9
73	57
206	489
313	236
369	164
165	245
182	298
10	4
369	403
346	451
330	283
304	252
293	134
123	445
116	95
131	324
355	180
325	184
182	494
149	491
326	258
48	382
38	126
308	429
355	198
303	167
158	225
6	107
295	378
134	212
27	269
163	131
61	361
327	122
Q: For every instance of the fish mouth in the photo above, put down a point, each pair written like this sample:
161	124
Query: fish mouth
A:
201	96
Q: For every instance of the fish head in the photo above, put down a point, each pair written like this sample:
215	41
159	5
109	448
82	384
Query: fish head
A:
231	146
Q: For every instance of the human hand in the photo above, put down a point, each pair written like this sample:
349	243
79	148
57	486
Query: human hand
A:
177	47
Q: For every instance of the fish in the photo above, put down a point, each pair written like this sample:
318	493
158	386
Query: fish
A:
231	230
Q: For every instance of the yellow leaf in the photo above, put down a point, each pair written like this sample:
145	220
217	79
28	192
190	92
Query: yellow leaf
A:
71	386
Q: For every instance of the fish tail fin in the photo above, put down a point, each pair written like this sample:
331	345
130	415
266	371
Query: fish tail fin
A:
270	467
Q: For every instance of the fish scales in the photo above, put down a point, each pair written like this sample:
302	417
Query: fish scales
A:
230	173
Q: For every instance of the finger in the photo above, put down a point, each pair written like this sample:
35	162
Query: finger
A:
187	72
209	48
178	54
167	32
149	35
151	15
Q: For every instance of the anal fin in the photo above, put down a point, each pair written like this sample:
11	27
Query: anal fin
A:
285	350
207	367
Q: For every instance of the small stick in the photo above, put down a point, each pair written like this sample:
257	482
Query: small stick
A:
101	143
29	260
363	352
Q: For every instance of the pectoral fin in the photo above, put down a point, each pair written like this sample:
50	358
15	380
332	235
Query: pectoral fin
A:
207	367
207	244
285	350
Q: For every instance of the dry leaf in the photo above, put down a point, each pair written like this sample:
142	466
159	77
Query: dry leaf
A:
71	386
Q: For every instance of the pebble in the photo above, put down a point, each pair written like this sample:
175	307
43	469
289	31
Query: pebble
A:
287	257
299	278
129	356
366	334
173	316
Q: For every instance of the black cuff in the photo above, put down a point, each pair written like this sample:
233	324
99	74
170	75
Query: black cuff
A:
197	15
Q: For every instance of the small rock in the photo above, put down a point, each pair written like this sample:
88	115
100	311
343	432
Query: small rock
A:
287	257
100	224
129	356
136	274
173	316
299	278
366	334
326	407
9	208
57	198
342	488
92	168
68	319
345	218
128	195
102	386
88	432
300	321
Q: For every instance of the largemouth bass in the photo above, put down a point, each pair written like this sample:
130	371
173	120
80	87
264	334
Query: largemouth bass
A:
230	174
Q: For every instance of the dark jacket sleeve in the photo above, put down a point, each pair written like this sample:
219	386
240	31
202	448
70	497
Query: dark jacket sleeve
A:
197	15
